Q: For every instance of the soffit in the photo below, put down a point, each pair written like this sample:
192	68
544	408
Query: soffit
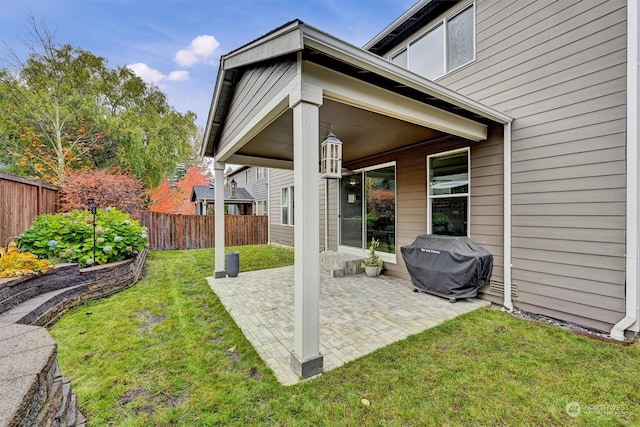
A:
363	133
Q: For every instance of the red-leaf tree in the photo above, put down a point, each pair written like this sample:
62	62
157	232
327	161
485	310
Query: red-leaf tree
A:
106	187
177	199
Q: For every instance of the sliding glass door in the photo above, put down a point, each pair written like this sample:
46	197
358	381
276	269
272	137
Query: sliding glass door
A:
368	208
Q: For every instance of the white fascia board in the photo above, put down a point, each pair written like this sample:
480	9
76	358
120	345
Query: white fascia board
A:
351	91
260	161
212	109
405	16
380	66
285	40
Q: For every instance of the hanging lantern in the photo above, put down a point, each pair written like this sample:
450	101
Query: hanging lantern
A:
233	188
331	157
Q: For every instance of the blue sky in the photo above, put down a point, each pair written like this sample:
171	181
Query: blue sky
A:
177	43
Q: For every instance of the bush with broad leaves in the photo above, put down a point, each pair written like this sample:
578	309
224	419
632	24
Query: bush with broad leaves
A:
69	237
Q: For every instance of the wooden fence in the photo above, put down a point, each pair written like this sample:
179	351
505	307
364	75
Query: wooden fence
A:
21	200
167	231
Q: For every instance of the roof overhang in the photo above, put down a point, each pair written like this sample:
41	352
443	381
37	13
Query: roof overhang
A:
315	46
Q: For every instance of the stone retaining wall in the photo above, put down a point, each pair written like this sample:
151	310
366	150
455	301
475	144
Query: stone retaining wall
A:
32	390
83	284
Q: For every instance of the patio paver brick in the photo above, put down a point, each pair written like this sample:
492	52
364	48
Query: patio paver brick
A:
358	314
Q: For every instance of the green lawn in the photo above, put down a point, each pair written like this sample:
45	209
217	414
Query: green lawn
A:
165	352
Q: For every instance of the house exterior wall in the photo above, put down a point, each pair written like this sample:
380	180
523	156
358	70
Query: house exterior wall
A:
411	196
558	68
247	178
280	234
254	90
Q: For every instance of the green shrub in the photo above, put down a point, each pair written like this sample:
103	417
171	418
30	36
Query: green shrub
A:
68	237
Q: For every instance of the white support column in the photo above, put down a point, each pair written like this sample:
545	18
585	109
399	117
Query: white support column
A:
306	359
220	270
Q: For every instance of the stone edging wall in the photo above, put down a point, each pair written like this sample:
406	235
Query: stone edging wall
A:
32	388
80	284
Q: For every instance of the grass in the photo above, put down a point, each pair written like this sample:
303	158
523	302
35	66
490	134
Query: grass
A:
165	352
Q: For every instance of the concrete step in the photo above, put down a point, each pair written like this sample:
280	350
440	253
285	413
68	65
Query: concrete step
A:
340	264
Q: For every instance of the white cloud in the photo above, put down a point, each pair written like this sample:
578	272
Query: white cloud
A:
201	49
178	76
153	76
146	73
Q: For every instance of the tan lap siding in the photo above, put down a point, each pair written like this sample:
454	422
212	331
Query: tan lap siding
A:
278	179
559	69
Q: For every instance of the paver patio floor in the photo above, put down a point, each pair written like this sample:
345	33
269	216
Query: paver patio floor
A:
358	314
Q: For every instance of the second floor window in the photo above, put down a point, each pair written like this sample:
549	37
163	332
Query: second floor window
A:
261	172
445	47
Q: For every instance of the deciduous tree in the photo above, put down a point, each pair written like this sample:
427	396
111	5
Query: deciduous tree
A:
177	199
64	109
105	187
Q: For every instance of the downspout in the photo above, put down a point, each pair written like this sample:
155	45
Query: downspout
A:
633	134
326	215
269	205
508	303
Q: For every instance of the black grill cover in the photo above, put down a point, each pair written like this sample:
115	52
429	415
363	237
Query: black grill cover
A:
448	266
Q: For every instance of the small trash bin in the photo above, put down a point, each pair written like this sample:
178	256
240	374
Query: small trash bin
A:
233	264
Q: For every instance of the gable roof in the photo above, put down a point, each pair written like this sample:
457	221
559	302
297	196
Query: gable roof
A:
208	193
316	46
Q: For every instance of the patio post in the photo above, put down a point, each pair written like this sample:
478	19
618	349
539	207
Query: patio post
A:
306	359
220	270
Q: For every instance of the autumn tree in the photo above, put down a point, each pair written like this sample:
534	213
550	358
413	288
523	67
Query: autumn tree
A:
106	188
63	109
176	199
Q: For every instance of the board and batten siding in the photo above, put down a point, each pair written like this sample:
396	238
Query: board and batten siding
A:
255	90
558	68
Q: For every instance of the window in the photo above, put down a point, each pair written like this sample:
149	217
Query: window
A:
261	173
449	193
287	206
400	58
446	46
368	208
246	176
425	54
261	207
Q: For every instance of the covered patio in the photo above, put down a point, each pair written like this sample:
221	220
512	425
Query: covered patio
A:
358	314
277	97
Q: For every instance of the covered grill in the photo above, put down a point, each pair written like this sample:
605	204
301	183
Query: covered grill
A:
451	267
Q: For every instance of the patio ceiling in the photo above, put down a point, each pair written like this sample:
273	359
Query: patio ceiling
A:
363	133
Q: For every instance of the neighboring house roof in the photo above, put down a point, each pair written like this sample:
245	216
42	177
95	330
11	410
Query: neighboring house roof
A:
208	193
328	51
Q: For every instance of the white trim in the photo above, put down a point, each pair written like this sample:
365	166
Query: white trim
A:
507	302
444	20
631	321
290	204
220	268
385	256
263	118
467	195
382	67
351	91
